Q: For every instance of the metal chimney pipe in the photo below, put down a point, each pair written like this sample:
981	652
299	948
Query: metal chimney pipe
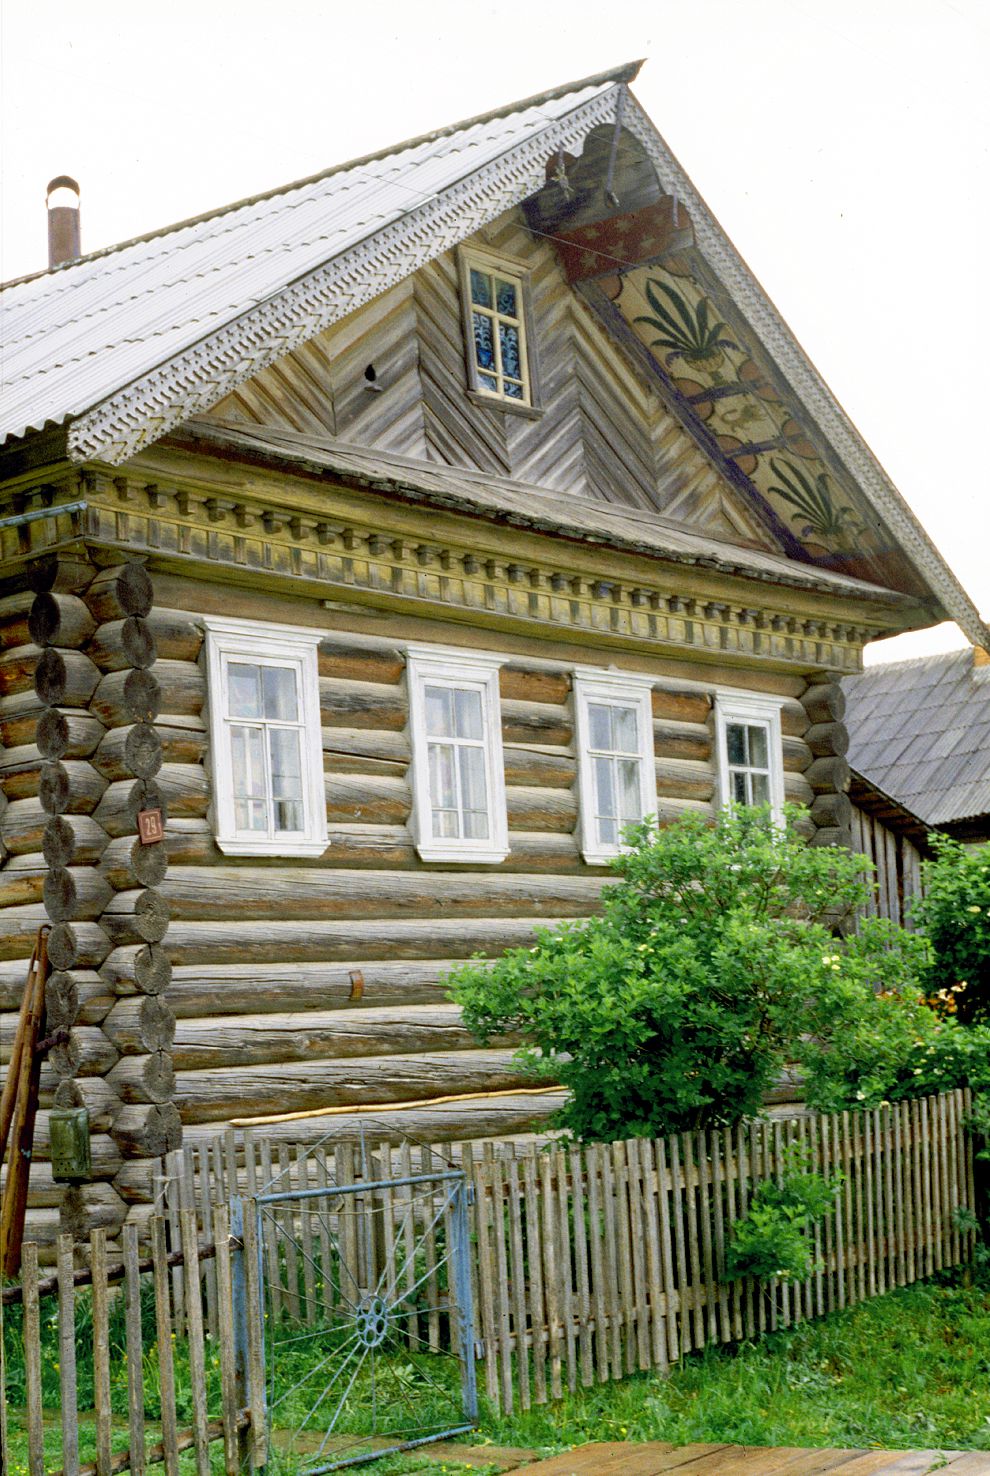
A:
64	241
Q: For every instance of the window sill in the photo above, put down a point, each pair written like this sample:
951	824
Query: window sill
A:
476	856
232	847
492	402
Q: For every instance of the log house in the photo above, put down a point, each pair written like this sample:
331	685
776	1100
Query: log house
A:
394	569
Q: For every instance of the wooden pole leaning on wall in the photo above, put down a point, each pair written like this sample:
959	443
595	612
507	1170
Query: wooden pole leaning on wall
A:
19	1108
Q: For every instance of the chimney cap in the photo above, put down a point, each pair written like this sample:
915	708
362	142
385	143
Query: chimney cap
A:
61	182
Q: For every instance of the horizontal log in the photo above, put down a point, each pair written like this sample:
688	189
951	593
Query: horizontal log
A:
177	687
832	835
20	929
149	1078
22	826
138	916
366	751
147	1130
15	612
92	1092
126	589
76	997
76	893
199	990
828	774
66	733
371	799
672	704
258	1040
682	741
174	745
138	1182
20	771
70	787
537	767
541	809
684	779
271	940
832	809
243	892
65	678
793	718
827	738
87	1052
343	660
536	722
221	1093
77	945
824	703
523	684
797	790
44	1190
119	645
797	756
346	704
22	882
60	620
13	976
17	668
142	1024
137	968
127	863
178	790
87	1207
74	840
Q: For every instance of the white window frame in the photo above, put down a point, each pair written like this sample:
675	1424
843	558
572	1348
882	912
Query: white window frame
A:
630	689
751	709
271	645
511	271
451	667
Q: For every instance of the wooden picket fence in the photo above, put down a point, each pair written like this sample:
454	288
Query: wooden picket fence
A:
595	1262
237	1416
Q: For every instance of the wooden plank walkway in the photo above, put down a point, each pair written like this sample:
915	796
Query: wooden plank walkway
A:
623	1459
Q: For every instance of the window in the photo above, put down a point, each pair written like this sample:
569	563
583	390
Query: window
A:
458	781
266	743
617	774
750	754
495	319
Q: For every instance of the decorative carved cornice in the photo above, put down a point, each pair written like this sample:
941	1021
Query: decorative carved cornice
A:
341	558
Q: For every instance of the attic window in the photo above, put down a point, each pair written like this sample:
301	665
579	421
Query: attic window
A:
495	294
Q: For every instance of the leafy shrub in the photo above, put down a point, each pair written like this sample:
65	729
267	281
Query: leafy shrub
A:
772	1239
955	914
715	955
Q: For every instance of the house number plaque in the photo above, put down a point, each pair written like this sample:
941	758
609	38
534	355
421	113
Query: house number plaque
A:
150	827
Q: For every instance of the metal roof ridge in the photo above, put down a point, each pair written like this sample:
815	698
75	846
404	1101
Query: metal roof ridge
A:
627	72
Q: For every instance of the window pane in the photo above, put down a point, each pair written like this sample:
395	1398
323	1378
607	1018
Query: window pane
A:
624	726
604	787
505	298
488	381
278	683
599	725
758	747
481	288
467	710
739	794
443	785
286	765
439	712
484	342
243	693
247	769
608	833
630	802
735	742
508	342
514	391
761	789
445	825
474	791
476	824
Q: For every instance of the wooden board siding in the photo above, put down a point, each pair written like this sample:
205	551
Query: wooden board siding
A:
897	861
601	432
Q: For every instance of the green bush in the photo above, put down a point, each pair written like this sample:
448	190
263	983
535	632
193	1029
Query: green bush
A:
714	957
955	914
772	1238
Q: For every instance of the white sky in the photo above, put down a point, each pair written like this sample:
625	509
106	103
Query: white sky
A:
843	144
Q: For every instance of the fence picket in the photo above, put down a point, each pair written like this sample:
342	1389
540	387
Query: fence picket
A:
673	1310
683	1285
517	1282
550	1282
534	1256
101	1349
194	1333
637	1239
163	1328
68	1409
32	1360
225	1338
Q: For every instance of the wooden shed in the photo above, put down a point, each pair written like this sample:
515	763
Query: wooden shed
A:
397	536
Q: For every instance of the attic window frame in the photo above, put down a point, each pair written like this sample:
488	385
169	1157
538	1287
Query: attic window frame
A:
510	269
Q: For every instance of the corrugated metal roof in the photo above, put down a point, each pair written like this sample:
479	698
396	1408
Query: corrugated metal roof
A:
920	731
74	336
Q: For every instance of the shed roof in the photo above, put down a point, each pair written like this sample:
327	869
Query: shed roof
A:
920	731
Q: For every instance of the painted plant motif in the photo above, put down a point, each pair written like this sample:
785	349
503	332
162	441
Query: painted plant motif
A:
689	333
816	512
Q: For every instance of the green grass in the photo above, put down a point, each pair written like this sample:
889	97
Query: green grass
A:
911	1369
